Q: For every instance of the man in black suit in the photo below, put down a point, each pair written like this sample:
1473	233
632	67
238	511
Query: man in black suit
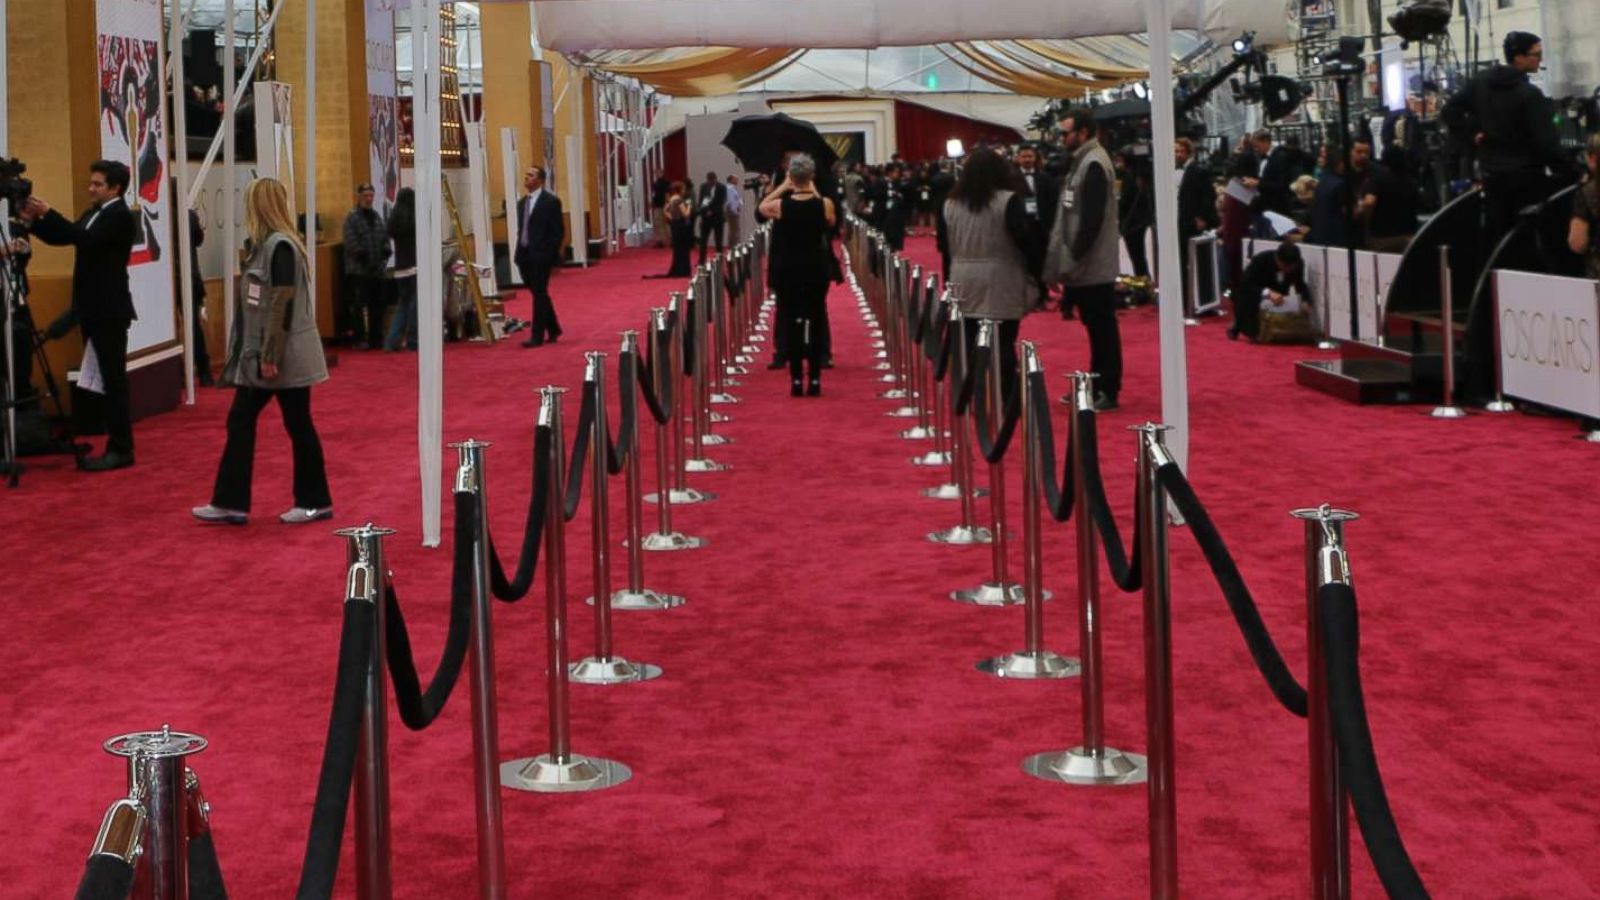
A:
1197	201
102	304
711	209
1039	202
538	252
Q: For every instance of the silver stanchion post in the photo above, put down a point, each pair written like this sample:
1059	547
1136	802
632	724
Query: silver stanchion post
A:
1092	763
559	770
668	436
700	387
1033	661
158	821
968	531
472	477
604	667
920	376
999	590
1448	408
1161	781
366	578
636	595
904	350
1330	825
943	434
1500	404
683	401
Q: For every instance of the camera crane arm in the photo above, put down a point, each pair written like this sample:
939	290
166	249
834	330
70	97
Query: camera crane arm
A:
1255	59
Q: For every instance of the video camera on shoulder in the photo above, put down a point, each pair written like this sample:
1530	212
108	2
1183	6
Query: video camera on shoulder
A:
13	186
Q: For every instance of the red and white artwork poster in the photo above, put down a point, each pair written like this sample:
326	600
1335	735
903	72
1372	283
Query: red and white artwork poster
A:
133	131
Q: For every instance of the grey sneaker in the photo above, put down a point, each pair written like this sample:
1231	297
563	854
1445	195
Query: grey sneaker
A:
300	515
216	515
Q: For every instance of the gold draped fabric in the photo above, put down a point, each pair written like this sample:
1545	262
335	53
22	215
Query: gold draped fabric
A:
1017	81
1080	63
709	72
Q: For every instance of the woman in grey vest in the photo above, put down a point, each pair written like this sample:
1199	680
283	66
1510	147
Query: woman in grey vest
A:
985	232
274	353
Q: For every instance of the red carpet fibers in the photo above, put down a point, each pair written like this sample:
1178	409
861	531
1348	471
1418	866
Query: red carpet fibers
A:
820	731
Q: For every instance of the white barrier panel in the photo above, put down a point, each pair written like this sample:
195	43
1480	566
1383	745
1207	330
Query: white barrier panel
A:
1388	264
1337	281
1549	335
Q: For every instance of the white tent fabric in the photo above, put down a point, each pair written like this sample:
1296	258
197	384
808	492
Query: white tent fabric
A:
572	25
1010	110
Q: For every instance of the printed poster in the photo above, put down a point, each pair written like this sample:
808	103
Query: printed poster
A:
382	115
133	131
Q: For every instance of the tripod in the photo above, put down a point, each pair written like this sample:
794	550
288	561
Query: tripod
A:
17	313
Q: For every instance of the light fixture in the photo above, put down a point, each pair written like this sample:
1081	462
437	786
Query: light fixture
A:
1141	90
1243	43
954	149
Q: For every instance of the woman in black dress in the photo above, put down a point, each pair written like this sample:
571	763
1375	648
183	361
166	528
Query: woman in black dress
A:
802	221
679	214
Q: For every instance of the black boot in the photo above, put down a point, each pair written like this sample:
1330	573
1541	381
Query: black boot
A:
795	389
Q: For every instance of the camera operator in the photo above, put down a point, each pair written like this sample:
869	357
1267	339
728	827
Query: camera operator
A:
1512	125
16	253
102	304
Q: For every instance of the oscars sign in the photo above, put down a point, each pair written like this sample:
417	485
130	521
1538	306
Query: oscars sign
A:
1549	335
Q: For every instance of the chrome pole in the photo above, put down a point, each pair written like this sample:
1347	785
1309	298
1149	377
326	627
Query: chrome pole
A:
940	455
636	595
967	532
156	784
684	402
367	580
604	667
999	590
1500	404
1033	661
904	357
559	770
920	376
700	387
1448	408
1091	763
1161	786
1330	826
471	476
668	435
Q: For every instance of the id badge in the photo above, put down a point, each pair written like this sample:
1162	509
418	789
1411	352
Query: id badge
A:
924	196
889	204
252	293
1031	206
1068	199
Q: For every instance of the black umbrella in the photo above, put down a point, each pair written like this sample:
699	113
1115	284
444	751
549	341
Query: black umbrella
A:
761	141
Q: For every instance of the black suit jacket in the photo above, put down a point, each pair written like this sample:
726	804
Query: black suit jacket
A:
711	203
540	242
1047	192
100	295
1197	199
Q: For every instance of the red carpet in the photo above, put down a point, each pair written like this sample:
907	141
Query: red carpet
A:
820	731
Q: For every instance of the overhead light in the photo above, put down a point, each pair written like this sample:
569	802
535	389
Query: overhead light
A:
1243	43
953	148
1316	58
1141	90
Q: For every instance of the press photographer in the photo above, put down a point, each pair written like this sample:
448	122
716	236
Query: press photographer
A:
102	305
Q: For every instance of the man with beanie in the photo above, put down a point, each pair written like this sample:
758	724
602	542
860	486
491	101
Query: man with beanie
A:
1512	125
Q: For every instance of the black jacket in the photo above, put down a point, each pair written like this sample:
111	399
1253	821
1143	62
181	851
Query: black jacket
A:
540	242
100	294
1047	195
711	203
1262	273
1197	199
1515	118
1284	165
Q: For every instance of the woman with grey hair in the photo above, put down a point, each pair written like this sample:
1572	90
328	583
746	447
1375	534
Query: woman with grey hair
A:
802	220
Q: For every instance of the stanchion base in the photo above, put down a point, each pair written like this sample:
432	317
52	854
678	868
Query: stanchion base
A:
1448	412
642	600
1192	323
992	593
717	418
704	465
893	393
918	433
1327	345
681	497
1499	406
578	773
1025	665
904	412
711	439
951	491
724	398
1078	766
735	370
932	458
675	540
1588	437
961	534
881	366
615	670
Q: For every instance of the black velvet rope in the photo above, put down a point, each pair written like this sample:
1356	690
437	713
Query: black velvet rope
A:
1263	650
965	376
916	314
321	864
946	346
993	451
105	877
1058	493
418	707
1358	762
617	452
580	451
1126	568
514	589
938	321
205	874
687	337
660	406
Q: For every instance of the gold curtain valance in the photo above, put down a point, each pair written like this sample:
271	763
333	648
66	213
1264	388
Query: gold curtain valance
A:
720	70
1048	51
981	65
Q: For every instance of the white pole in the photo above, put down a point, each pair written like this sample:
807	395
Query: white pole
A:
179	139
1174	355
430	299
510	168
311	150
5	78
230	204
232	97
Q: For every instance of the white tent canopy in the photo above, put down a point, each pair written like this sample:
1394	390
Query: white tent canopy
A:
569	25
